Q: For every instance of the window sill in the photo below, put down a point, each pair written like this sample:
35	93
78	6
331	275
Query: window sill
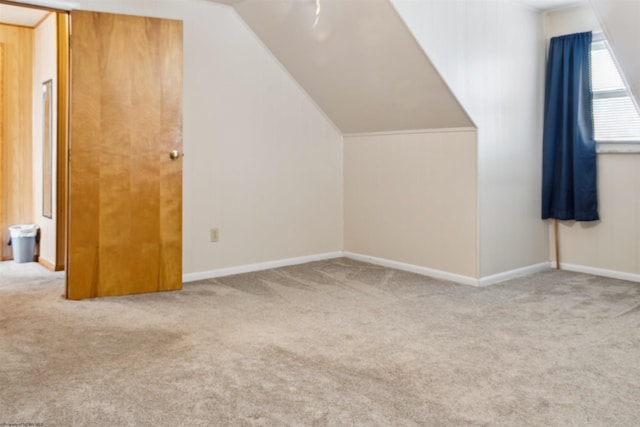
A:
618	147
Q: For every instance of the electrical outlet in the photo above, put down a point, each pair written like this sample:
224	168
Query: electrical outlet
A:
213	234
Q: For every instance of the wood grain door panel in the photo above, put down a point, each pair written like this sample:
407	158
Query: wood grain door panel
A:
125	193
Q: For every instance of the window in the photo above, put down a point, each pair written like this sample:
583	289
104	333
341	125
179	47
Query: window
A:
616	120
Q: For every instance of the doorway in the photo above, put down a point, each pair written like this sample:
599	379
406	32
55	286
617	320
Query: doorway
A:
114	223
33	127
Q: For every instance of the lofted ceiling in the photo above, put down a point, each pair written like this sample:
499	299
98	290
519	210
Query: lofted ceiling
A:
358	61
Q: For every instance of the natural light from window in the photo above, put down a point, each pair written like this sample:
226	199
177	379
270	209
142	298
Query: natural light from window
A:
616	119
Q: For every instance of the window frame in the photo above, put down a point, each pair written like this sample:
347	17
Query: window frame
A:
613	146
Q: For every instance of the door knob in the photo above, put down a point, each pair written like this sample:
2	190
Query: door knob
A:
175	154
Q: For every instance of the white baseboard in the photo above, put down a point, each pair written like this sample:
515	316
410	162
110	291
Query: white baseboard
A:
613	274
424	271
444	275
221	272
512	274
436	274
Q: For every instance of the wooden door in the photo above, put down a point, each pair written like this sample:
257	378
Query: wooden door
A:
125	192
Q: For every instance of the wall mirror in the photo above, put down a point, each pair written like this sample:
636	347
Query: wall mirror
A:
47	149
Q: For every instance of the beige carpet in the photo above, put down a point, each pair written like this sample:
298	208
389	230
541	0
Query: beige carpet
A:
337	343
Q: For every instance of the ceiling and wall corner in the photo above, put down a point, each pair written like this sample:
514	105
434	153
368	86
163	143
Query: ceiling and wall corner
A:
570	20
359	63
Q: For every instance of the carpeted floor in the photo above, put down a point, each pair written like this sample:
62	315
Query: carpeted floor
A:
329	343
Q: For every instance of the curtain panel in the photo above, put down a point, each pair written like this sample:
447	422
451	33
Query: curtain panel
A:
569	178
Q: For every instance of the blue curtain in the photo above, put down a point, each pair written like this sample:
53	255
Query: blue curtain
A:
569	148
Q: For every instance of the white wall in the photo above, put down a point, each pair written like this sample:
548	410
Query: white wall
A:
491	55
262	163
411	198
610	246
44	68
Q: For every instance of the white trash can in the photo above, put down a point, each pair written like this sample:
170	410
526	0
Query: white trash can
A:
23	242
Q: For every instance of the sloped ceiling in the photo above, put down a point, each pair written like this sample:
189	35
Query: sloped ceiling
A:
620	20
359	62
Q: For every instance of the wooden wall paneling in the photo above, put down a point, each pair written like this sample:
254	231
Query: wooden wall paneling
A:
17	161
24	145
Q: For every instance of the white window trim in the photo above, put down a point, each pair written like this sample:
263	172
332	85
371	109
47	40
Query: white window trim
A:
616	147
612	147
